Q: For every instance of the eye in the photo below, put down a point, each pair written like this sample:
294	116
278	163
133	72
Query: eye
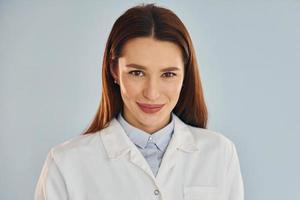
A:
169	74
136	73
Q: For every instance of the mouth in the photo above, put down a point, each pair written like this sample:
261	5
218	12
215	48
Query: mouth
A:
150	108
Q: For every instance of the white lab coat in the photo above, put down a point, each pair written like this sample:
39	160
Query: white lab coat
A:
198	164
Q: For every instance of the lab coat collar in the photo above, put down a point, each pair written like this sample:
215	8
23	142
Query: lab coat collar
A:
117	143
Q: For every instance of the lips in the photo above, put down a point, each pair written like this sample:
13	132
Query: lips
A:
150	105
150	108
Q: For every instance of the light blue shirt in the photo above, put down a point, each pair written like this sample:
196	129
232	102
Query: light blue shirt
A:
152	146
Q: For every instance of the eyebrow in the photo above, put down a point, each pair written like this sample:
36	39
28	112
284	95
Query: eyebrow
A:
144	68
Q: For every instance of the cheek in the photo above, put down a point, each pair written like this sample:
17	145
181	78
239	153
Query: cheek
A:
173	90
129	89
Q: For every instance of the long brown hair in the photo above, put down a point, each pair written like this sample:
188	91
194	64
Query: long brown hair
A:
149	20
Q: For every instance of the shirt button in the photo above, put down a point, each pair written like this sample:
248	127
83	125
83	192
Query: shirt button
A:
156	192
150	138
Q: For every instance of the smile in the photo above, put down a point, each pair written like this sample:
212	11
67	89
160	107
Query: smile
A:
150	108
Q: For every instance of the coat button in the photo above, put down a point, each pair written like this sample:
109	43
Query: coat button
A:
156	192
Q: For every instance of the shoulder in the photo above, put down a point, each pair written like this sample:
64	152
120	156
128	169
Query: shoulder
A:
208	134
211	139
214	144
204	137
76	147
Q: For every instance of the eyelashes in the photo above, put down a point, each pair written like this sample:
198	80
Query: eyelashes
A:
136	73
139	73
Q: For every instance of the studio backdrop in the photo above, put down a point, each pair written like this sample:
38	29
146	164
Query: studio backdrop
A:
248	54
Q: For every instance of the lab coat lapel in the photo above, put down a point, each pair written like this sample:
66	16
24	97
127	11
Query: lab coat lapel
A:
182	140
117	144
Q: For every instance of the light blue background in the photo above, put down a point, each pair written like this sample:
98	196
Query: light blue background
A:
249	56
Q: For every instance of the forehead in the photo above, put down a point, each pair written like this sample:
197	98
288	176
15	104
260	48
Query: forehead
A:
148	51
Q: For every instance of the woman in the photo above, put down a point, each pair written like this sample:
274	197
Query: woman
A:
148	139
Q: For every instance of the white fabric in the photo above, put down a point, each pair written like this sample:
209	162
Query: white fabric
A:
152	146
198	164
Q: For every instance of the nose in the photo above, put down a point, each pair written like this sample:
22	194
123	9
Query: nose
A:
151	89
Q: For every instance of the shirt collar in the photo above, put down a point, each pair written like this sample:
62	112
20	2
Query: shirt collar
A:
140	138
118	144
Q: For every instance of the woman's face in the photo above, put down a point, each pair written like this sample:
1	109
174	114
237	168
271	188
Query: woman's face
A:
150	74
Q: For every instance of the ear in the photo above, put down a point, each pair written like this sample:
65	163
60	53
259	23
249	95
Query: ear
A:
114	71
